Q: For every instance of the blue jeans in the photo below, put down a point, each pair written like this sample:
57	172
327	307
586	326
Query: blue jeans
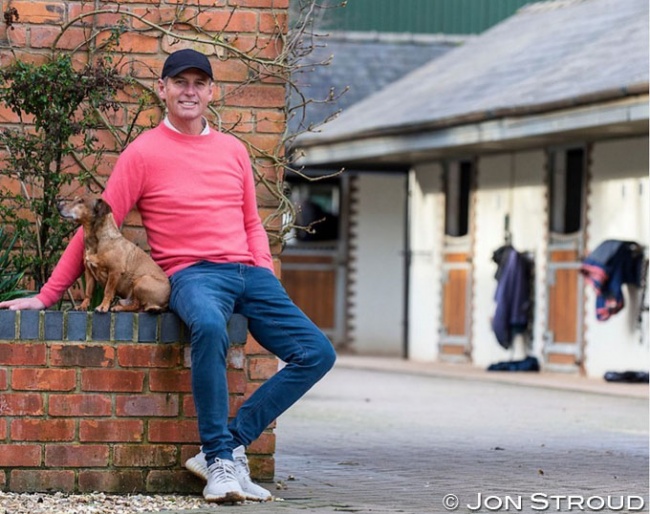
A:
205	296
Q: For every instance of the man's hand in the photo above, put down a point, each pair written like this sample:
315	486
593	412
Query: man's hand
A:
23	304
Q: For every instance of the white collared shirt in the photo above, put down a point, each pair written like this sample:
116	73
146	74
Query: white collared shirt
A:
206	127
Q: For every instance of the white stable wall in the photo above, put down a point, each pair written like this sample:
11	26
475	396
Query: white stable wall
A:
377	280
619	208
427	227
507	184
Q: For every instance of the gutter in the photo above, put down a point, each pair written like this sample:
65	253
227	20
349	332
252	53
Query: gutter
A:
413	143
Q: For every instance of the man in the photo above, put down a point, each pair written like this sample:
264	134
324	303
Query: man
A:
195	191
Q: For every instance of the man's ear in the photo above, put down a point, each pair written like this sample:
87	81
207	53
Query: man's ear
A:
162	94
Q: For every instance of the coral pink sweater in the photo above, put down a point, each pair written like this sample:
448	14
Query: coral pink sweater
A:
196	196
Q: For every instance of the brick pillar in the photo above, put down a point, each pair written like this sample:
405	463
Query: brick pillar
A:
102	402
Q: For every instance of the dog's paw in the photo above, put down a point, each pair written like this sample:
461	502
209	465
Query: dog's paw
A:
102	308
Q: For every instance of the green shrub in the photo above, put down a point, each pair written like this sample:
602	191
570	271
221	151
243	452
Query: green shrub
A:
58	107
10	279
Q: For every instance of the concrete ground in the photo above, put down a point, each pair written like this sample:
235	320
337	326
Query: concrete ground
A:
388	436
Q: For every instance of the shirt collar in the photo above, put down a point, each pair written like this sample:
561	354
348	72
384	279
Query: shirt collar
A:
206	127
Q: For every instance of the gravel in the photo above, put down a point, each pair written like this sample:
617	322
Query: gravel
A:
97	503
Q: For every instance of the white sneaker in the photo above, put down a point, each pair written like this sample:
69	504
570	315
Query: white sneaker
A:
252	491
223	486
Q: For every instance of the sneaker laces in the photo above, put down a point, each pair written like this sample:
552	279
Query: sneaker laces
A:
242	462
222	470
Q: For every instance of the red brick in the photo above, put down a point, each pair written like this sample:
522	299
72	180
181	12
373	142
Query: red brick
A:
131	42
45	36
236	120
145	456
262	4
188	451
230	70
30	379
157	15
21	404
264	444
173	380
235	401
109	430
3	379
42	429
18	36
76	456
81	355
255	96
107	18
149	355
173	431
36	480
262	467
3	480
257	46
20	455
113	380
236	381
261	368
262	144
39	12
76	405
111	482
3	429
20	354
189	409
273	22
154	405
228	21
162	481
270	121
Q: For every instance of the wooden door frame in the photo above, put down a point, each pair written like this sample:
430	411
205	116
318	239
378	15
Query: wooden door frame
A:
566	242
455	245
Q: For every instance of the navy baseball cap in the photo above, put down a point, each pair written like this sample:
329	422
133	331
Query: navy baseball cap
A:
182	60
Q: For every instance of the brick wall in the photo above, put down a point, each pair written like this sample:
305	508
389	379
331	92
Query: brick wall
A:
102	402
249	95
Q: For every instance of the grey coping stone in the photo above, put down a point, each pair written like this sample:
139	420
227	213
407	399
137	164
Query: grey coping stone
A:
8	325
170	328
147	327
123	329
101	326
29	324
53	325
76	325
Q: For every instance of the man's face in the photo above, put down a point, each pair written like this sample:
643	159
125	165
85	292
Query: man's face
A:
186	95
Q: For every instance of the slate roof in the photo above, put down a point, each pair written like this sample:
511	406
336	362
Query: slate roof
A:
362	62
548	56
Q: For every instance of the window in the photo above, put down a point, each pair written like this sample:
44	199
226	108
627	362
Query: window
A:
458	178
317	206
567	177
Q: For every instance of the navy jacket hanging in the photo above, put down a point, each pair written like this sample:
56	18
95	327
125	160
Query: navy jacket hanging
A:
512	295
612	264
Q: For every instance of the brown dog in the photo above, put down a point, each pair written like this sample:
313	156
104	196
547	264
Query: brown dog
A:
115	262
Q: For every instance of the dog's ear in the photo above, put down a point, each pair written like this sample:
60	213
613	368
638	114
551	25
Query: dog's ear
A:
101	208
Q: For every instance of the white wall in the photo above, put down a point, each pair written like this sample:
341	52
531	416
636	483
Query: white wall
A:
378	275
618	208
507	184
427	226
